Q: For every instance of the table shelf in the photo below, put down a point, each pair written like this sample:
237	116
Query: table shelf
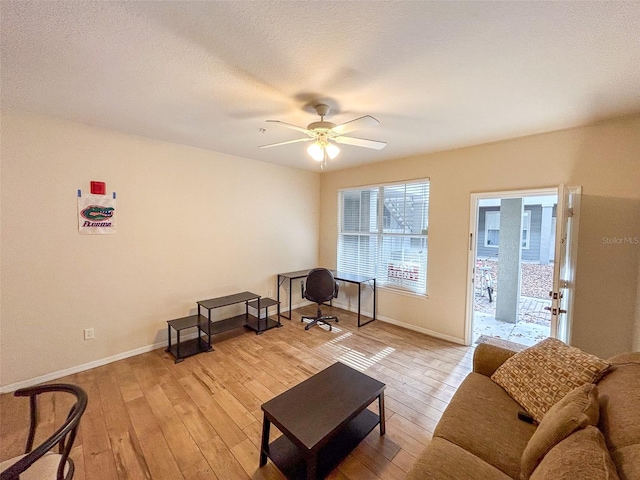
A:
206	327
220	326
291	461
189	348
260	325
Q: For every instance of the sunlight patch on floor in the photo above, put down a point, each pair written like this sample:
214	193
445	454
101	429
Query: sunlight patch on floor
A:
354	358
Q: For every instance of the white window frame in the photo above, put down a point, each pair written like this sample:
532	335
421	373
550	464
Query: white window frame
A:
526	226
407	275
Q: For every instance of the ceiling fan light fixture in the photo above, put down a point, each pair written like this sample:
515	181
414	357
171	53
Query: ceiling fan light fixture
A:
325	135
332	150
316	151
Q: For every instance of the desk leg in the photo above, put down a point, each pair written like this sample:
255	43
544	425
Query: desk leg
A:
374	298
382	415
312	462
359	300
290	292
169	338
266	424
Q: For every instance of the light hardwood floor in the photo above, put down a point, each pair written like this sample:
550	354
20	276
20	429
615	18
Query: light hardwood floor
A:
149	418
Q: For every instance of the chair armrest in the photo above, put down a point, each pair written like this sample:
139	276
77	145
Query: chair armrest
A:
489	356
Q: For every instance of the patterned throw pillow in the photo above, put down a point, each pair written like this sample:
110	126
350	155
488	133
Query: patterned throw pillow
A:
539	376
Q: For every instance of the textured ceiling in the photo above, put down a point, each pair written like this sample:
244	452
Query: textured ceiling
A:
437	75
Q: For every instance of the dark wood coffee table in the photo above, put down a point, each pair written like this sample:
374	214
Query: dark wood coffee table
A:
322	419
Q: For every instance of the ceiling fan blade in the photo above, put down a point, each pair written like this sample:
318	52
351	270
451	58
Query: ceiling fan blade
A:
362	122
288	125
361	142
285	143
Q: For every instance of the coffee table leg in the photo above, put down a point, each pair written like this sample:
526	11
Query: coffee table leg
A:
382	415
266	424
312	462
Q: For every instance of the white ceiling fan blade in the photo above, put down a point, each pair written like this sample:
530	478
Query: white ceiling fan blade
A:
361	142
292	127
285	143
362	122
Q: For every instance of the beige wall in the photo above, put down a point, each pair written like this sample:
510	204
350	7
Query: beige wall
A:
604	159
191	224
636	335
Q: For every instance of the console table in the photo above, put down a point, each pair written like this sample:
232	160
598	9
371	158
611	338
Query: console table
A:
340	276
206	327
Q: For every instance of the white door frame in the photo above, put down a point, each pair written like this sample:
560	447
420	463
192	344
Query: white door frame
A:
564	268
473	227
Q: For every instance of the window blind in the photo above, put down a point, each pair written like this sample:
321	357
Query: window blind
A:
383	232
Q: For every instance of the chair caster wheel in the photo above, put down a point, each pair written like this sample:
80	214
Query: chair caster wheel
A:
307	327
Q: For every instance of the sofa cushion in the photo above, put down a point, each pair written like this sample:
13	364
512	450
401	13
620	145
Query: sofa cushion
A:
443	460
627	461
576	410
491	353
619	397
539	376
483	419
582	455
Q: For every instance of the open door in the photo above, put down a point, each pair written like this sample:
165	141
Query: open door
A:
564	272
526	320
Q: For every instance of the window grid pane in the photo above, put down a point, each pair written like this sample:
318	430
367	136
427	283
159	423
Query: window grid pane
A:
382	232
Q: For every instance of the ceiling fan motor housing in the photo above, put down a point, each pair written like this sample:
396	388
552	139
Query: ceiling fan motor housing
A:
321	126
322	109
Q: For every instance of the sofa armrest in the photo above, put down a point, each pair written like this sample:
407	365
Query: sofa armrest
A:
490	355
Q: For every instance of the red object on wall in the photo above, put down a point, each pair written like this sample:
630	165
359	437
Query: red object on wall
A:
98	188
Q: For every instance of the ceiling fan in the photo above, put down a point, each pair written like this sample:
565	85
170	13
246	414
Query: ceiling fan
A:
325	133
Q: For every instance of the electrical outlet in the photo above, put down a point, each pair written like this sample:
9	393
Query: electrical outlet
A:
88	333
270	294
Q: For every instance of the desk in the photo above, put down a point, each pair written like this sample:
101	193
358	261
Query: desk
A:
342	277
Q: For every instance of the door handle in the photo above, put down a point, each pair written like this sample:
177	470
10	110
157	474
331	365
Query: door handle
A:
555	311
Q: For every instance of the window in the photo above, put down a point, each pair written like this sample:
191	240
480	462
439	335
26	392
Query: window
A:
382	232
492	228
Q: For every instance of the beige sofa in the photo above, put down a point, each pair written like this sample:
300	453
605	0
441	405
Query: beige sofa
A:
480	436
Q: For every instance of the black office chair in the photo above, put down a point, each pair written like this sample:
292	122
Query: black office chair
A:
320	287
42	463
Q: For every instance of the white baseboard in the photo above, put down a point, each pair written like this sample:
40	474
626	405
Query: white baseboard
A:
131	353
426	331
408	326
86	366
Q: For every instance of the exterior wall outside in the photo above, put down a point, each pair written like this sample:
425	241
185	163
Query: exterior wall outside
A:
604	159
191	225
531	254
